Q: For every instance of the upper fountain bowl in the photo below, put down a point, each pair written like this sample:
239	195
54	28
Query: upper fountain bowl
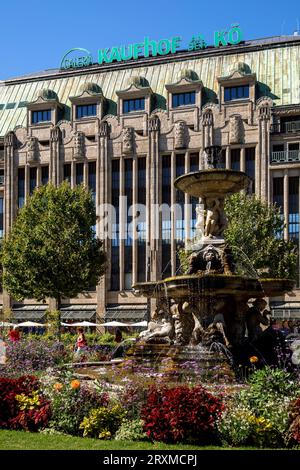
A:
212	183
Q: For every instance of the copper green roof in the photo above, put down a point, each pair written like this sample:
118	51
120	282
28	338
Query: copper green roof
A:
274	60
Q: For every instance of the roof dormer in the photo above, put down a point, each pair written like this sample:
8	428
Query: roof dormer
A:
45	109
136	97
238	86
89	103
187	91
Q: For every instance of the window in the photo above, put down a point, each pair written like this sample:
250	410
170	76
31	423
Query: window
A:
67	172
236	92
86	110
40	116
45	174
1	217
183	99
115	255
166	217
32	179
194	201
137	104
141	197
293	225
21	187
92	179
250	166
79	173
235	159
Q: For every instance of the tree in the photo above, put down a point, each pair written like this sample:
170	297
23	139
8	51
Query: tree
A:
256	228
51	250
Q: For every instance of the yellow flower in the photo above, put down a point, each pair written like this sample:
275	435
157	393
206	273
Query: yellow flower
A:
75	384
253	359
58	386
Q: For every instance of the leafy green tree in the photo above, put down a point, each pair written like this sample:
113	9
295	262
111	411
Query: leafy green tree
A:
256	228
51	250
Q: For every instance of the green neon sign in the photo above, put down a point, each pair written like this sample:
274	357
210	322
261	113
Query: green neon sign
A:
147	48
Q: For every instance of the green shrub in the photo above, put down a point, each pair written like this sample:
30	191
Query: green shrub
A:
103	422
131	430
259	415
235	425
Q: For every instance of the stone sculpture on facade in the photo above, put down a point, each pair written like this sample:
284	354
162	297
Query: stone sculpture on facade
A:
128	138
32	149
79	145
180	135
235	129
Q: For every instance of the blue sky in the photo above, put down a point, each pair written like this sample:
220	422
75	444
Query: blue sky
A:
34	34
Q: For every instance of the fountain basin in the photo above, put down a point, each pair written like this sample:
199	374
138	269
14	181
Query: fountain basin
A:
212	285
212	183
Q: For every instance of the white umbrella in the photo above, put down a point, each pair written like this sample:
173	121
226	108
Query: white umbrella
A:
140	323
114	323
6	324
80	323
30	323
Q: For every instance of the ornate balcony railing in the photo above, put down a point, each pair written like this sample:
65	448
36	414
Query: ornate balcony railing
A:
286	127
285	156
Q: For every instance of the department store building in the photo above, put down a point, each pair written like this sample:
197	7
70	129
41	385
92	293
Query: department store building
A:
129	128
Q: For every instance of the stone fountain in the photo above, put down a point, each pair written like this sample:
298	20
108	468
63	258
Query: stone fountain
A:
207	306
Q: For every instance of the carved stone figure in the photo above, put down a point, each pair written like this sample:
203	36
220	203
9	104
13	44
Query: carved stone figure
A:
184	323
212	219
161	330
207	259
256	316
235	129
128	137
200	218
79	147
180	135
32	149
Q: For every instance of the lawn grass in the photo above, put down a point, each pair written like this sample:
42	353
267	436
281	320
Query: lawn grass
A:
21	440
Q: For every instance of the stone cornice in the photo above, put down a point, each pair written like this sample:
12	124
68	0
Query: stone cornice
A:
179	56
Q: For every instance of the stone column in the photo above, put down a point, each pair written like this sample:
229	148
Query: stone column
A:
228	158
54	176
9	197
85	173
102	197
122	223
27	182
173	215
9	188
257	169
187	203
39	176
134	232
243	159
264	136
286	202
154	127
73	174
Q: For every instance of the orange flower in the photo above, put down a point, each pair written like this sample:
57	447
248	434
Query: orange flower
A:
253	359
75	384
58	386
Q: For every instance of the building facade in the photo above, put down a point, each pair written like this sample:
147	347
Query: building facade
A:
129	129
